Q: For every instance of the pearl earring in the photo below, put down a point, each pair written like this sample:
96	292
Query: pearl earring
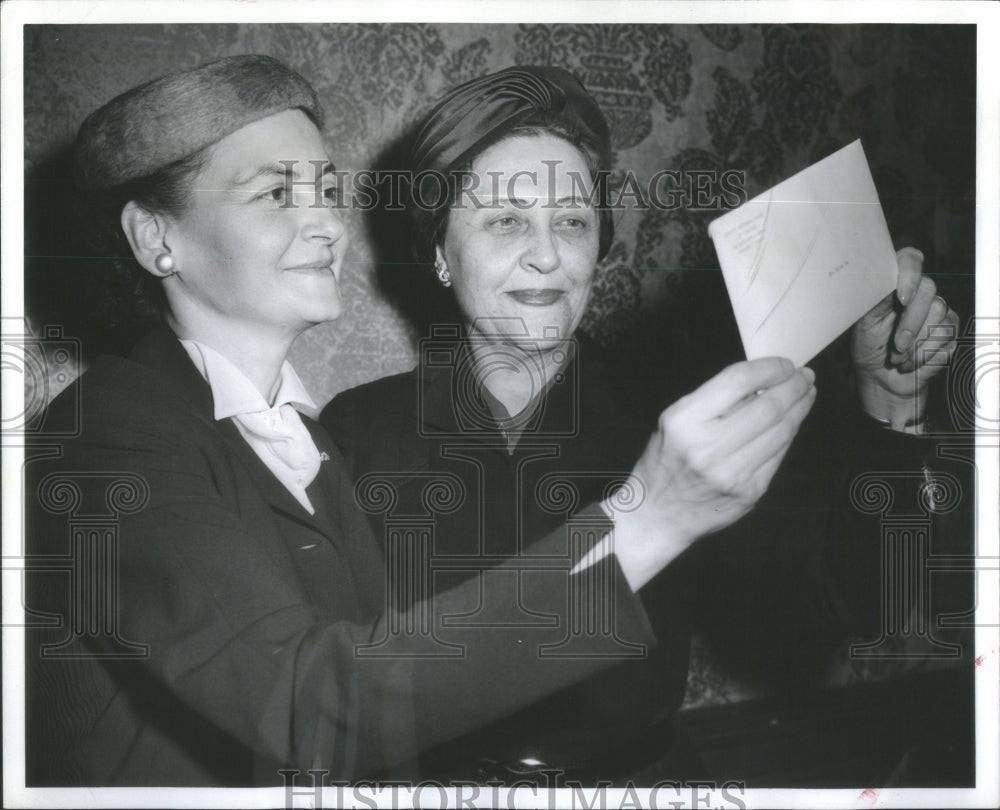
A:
165	264
442	273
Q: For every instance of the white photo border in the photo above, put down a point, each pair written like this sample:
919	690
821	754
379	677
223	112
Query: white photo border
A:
986	16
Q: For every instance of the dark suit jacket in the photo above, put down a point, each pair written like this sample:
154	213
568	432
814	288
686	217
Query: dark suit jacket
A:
596	419
251	611
804	564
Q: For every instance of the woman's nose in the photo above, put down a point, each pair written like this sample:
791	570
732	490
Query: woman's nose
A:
541	254
323	224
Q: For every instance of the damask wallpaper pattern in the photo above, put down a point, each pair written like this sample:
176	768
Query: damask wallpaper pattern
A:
766	100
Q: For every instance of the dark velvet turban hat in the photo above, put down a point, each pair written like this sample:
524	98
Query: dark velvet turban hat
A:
475	115
177	115
480	112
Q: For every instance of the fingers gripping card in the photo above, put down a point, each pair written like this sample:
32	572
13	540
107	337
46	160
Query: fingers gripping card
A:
806	259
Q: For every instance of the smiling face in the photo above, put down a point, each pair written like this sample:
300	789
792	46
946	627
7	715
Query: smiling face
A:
522	265
249	255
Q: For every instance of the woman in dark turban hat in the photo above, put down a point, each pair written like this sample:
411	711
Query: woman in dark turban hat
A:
507	205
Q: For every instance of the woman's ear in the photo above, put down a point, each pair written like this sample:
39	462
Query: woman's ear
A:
146	234
439	260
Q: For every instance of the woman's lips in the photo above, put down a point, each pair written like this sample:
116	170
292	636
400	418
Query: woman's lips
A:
315	267
536	298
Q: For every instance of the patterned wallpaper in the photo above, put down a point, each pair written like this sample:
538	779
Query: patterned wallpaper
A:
767	100
764	99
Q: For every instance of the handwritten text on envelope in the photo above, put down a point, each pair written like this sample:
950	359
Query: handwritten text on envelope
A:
806	259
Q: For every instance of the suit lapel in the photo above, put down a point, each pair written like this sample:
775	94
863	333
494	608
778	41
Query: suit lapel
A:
278	497
162	352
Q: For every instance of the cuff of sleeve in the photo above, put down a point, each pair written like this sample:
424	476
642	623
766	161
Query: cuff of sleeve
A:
910	428
576	538
603	577
881	438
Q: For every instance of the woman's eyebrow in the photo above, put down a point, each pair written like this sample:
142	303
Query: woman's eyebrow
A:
526	202
275	170
280	171
573	198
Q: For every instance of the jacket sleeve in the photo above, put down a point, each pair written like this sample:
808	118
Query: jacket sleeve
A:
808	565
232	634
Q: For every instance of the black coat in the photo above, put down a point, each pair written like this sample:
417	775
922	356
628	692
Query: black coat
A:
238	620
804	565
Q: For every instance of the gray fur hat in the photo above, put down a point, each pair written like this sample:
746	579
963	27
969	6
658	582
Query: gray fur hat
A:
172	117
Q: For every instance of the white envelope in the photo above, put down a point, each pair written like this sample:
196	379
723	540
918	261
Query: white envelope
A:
806	259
